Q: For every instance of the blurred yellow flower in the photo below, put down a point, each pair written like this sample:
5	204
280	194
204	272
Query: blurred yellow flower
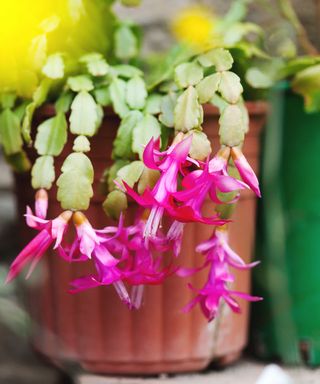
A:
196	26
30	30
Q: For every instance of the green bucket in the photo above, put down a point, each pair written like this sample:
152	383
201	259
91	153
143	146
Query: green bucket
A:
286	325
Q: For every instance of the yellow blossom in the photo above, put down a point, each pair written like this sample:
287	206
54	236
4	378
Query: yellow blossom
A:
30	30
196	26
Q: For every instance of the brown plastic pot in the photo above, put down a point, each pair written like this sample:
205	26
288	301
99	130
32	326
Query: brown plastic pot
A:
96	330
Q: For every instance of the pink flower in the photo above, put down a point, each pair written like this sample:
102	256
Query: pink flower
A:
41	208
219	256
169	164
216	290
93	244
50	231
202	183
246	172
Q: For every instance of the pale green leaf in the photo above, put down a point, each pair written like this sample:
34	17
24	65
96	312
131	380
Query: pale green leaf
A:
80	83
122	145
126	44
136	93
64	102
39	97
51	136
144	130
258	79
232	127
7	100
153	104
208	87
102	96
54	67
43	173
219	57
84	117
75	182
200	147
111	173
10	132
130	173
167	106
96	64
188	74
118	90
81	144
230	87
188	113
20	110
115	203
238	31
126	71
27	121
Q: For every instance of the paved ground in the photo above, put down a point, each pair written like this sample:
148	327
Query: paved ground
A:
244	372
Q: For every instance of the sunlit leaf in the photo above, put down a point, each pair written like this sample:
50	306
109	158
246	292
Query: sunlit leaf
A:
122	145
136	93
230	86
143	131
188	74
118	91
80	83
84	115
51	136
81	144
75	182
232	127
208	87
219	57
10	132
126	44
43	173
54	67
188	113
167	107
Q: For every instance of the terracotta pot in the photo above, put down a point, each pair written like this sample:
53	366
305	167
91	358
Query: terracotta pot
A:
95	329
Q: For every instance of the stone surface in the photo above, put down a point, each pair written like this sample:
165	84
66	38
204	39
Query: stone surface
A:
245	372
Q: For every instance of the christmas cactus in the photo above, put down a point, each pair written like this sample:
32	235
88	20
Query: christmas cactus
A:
162	159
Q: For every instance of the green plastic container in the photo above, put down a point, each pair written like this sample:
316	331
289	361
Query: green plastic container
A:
286	325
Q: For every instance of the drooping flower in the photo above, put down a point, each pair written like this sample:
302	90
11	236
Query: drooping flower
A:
246	172
219	256
169	164
198	185
50	231
91	244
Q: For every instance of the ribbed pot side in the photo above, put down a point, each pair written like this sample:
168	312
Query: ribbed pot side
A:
95	329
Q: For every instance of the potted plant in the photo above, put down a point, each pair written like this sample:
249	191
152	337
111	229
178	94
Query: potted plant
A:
100	133
288	225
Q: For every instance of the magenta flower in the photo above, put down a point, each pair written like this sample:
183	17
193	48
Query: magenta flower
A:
246	172
169	164
219	256
50	231
216	290
93	244
201	183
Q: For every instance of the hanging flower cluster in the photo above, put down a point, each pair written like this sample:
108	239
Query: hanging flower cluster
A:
124	256
161	159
